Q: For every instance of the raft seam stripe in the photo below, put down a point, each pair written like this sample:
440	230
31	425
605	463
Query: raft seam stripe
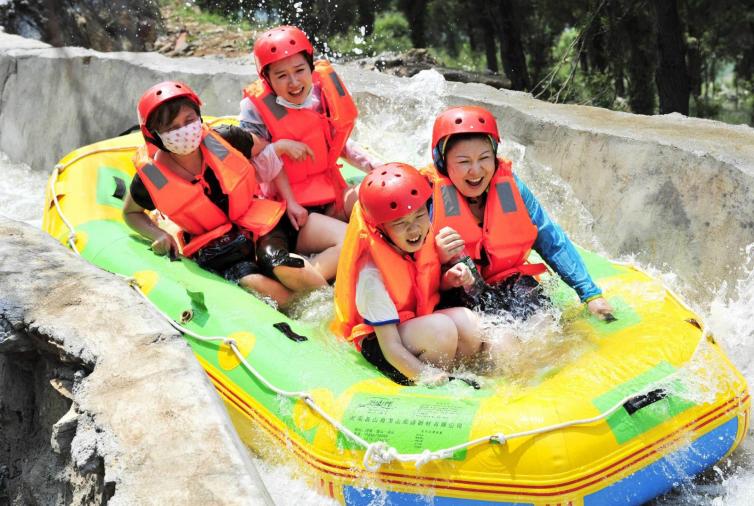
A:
303	452
645	449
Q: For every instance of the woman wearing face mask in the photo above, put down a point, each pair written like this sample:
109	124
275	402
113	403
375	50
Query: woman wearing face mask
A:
486	215
205	185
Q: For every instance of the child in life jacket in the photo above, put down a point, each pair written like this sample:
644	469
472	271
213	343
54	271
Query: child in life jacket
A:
206	186
389	282
485	213
305	112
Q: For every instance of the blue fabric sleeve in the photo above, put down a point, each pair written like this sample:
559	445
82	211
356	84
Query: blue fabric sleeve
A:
556	249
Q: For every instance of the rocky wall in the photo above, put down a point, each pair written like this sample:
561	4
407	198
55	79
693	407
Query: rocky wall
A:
101	401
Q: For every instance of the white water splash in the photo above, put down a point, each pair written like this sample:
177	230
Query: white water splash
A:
400	128
21	192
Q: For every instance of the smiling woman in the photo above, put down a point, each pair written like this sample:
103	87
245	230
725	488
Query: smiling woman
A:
476	196
291	77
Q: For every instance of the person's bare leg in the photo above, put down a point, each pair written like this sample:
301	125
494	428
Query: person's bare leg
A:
300	279
431	338
350	197
469	331
266	287
322	236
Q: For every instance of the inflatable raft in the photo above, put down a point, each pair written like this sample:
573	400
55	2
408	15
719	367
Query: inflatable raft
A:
649	402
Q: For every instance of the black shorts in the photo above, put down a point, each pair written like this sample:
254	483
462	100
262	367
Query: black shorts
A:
370	350
521	296
230	256
274	248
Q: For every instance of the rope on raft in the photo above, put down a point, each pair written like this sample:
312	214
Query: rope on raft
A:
377	453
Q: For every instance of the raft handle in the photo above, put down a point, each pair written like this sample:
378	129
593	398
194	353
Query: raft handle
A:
120	188
288	332
694	322
634	404
472	383
610	318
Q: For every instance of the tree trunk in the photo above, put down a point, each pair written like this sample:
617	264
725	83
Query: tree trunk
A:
490	47
595	43
511	47
366	16
671	75
641	61
615	41
416	13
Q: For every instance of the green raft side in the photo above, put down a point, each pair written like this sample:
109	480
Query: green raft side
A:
421	418
221	309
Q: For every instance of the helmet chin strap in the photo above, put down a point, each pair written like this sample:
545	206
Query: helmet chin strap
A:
155	139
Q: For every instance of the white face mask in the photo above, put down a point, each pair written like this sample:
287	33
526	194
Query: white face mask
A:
184	140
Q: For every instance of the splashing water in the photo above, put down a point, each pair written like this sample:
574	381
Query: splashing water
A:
397	126
400	128
21	192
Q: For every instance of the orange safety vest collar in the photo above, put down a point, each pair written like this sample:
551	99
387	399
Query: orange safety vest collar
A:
507	233
186	204
314	181
413	283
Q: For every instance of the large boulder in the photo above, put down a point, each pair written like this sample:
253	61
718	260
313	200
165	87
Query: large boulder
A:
126	25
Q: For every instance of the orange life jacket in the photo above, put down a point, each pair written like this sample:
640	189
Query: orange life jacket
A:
186	204
507	232
313	181
413	283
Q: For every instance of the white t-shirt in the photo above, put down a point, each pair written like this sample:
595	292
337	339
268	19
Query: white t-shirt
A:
373	301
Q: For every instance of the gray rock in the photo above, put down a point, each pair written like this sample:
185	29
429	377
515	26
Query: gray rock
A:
126	25
79	423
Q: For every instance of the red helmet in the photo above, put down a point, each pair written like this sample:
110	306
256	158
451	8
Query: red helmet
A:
392	191
278	43
464	120
158	95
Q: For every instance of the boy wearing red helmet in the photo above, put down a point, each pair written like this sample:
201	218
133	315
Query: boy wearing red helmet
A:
305	112
389	281
483	211
203	181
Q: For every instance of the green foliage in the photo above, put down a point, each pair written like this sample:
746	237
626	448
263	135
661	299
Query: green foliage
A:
596	52
464	58
200	12
391	33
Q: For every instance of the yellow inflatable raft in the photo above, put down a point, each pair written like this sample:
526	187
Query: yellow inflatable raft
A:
649	400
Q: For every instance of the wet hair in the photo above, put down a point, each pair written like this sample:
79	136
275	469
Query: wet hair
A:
309	59
167	112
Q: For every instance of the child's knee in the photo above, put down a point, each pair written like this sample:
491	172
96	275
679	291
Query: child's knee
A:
445	334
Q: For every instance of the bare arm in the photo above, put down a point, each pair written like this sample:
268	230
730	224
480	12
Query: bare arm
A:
134	216
359	157
295	211
259	144
397	354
